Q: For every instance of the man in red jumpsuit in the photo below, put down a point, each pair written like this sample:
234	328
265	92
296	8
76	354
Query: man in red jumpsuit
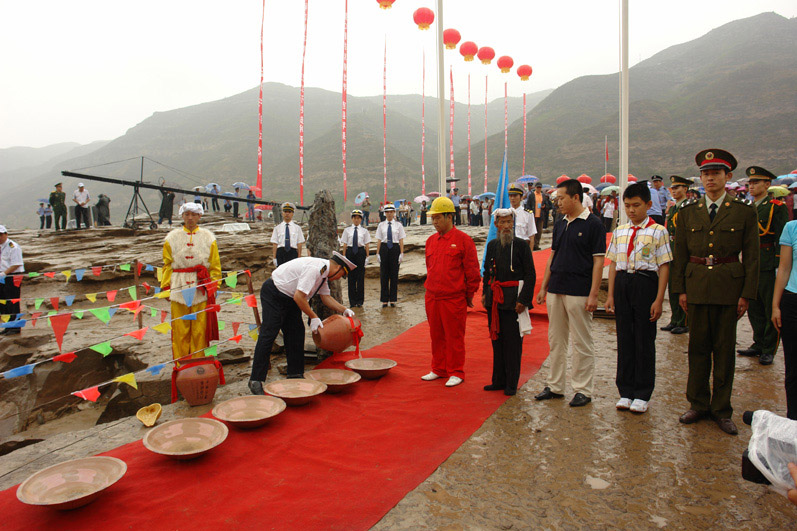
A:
452	278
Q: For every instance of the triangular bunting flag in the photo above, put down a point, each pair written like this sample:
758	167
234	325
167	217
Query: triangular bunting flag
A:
163	328
222	325
3	301
155	369
6	317
96	271
237	339
2	279
153	312
69	299
34	317
51	312
60	323
146	287
251	301
67	274
139	265
66	357
149	268
129	379
138	334
31	275
111	295
125	267
235	300
78	314
163	294
235	328
103	348
231	280
132	291
188	295
159	274
17	280
50	274
252	326
189	317
19	371
253	334
157	289
164	315
37	303
132	305
211	351
91	394
92	297
112	310
79	274
102	314
54	302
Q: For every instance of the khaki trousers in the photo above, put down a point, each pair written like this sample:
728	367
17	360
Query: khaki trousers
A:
568	320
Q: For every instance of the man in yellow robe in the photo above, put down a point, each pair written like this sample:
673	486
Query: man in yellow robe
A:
191	270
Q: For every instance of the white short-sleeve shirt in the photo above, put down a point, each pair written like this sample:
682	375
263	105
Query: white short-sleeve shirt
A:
363	236
11	255
82	197
398	231
278	236
303	274
525	227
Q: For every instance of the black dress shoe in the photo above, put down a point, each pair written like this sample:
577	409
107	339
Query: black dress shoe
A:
691	416
510	392
766	359
256	387
547	394
668	327
493	387
580	400
680	330
727	426
748	352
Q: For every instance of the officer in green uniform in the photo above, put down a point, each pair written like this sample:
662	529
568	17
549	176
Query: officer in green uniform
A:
678	188
772	217
58	202
714	285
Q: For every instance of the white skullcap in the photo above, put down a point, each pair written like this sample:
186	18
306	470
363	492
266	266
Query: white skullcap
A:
3	229
81	185
501	212
196	208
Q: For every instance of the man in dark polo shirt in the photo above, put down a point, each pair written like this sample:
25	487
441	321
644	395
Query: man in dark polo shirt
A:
571	283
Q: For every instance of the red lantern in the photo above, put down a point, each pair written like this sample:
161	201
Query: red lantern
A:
385	4
584	178
451	38
524	71
609	178
468	49
505	63
423	17
486	54
631	178
562	178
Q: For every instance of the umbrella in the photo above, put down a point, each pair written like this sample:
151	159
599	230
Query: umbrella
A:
589	187
785	179
487	195
466	196
198	188
547	187
584	178
603	185
421	199
778	191
609	178
209	186
433	194
793	186
229	194
45	201
360	199
397	202
240	185
609	189
527	179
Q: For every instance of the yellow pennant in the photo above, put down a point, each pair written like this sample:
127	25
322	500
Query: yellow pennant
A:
253	334
2	301
159	273
163	294
129	379
163	328
92	297
67	274
6	318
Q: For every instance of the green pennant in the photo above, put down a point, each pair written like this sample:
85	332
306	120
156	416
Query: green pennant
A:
231	281
222	325
38	302
79	314
211	351
153	312
102	314
125	267
103	348
132	291
51	312
31	275
236	300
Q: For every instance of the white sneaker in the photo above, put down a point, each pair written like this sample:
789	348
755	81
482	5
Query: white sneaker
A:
429	377
623	403
639	406
454	380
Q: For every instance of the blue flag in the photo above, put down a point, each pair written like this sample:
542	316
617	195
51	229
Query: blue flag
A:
79	274
501	201
188	295
19	371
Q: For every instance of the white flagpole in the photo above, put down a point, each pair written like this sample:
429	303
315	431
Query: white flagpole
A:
441	100
623	101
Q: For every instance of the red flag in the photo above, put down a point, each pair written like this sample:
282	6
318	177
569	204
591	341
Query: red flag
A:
91	394
96	271
237	339
34	317
49	274
132	305
111	294
251	301
54	302
235	328
138	334
146	287
139	265
606	142
213	308
66	357
17	280
164	314
60	323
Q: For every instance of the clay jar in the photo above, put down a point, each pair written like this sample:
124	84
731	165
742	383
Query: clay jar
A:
198	383
337	334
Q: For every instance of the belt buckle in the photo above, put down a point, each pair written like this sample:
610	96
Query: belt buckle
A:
710	261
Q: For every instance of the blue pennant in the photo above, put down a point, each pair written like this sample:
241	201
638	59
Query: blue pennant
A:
189	317
2	279
14	324
112	310
157	289
79	274
69	299
155	369
19	371
252	326
188	295
149	268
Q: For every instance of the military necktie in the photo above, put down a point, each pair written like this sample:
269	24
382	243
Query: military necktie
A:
354	243
287	237
712	211
389	235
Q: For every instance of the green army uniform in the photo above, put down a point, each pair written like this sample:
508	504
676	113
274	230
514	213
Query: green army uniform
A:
707	268
678	317
58	202
772	217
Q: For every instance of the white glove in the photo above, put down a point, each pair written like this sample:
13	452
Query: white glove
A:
401	257
378	259
315	324
367	259
348	313
275	262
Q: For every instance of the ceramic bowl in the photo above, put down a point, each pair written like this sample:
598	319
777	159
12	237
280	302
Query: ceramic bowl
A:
371	368
249	411
186	438
295	391
336	379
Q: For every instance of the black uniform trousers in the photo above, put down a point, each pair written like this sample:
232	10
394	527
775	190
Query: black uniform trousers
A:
636	333
765	336
81	213
235	209
286	256
788	329
506	350
9	291
280	312
357	276
215	204
423	217
388	272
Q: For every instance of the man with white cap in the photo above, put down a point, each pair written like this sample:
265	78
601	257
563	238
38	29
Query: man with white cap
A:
287	237
525	228
81	198
389	253
10	264
191	270
284	297
356	242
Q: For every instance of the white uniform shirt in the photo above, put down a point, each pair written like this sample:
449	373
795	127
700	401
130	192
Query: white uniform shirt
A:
363	236
303	274
586	201
11	255
398	231
82	197
278	236
474	208
525	227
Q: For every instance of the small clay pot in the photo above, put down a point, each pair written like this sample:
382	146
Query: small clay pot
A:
198	383
337	334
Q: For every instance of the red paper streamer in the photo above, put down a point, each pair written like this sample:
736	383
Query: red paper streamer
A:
17	280
343	93
237	339
96	271
50	274
384	120
469	164
506	119
138	334
34	317
251	301
485	133
66	357
235	326
301	112
451	128
523	172
259	192
423	125
91	394
54	302
111	295
60	323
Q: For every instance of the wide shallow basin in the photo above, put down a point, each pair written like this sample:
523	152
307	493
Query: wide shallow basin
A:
336	379
371	368
73	483
295	391
249	411
186	438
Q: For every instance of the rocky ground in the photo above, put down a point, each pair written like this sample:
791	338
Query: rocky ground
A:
531	465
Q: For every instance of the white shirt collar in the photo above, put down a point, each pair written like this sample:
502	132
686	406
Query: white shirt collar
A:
718	202
584	215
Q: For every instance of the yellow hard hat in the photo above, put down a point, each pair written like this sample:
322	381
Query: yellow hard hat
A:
442	205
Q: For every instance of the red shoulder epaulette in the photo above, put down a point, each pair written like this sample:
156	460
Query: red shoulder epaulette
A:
776	202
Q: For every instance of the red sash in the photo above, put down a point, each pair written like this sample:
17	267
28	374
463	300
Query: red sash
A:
498	298
208	285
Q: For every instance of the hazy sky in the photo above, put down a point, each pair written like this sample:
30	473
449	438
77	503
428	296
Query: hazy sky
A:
84	70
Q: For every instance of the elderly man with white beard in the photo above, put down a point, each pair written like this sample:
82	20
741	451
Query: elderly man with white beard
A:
507	294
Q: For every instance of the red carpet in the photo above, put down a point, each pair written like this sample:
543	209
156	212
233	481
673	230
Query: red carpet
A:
341	462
